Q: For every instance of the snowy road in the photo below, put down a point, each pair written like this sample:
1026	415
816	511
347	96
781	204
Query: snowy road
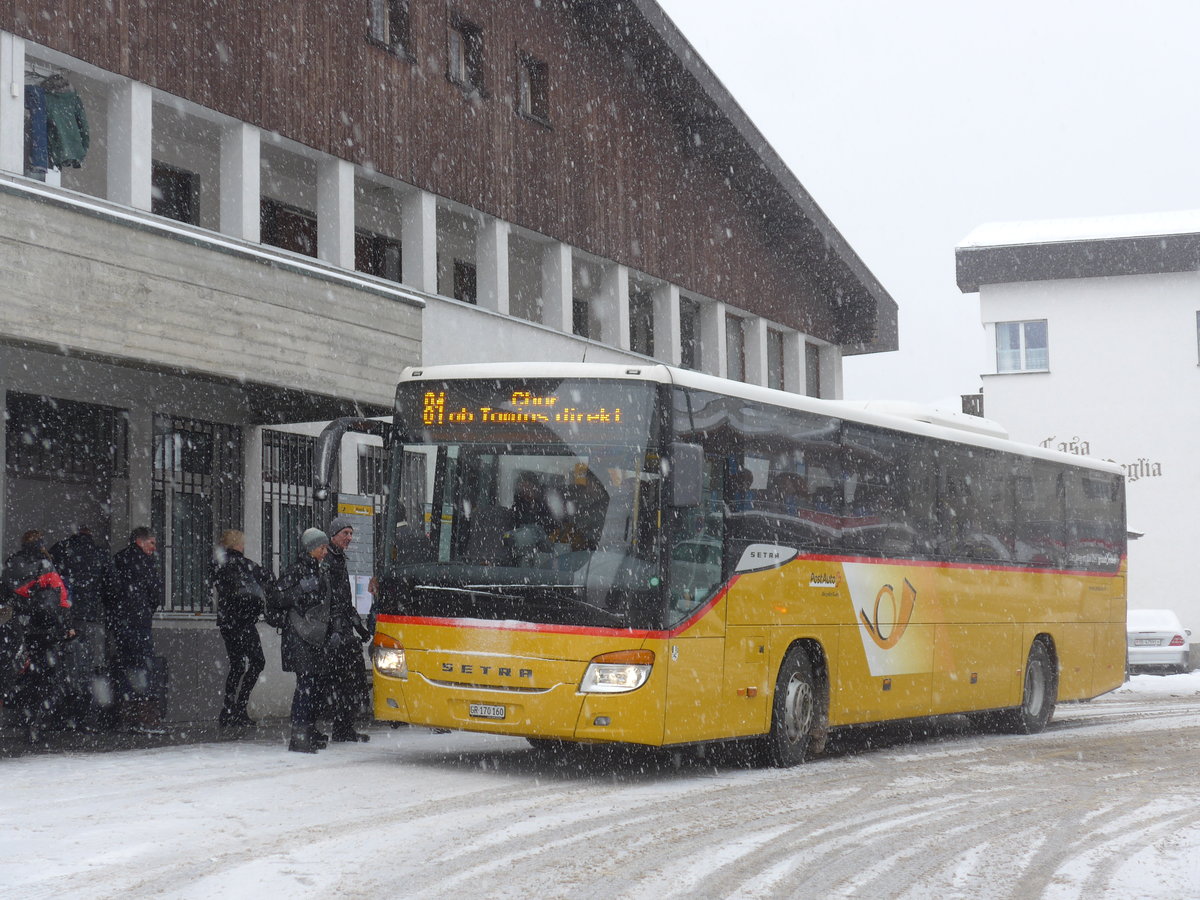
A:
1105	804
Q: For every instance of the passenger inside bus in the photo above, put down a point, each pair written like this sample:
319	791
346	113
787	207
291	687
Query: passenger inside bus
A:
742	486
788	493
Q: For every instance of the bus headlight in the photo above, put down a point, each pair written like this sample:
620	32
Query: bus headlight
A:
388	656
617	673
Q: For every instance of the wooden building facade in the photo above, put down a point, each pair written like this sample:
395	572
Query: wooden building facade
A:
272	208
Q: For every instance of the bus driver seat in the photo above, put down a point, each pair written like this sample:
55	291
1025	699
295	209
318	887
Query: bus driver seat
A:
488	541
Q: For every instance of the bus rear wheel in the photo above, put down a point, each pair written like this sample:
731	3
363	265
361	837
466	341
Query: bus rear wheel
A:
795	711
1038	696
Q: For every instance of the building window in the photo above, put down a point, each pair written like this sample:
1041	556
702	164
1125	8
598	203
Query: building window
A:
1022	346
287	467
580	317
389	25
288	227
466	55
735	348
174	193
533	88
67	441
377	255
641	322
689	333
197	494
465	281
812	369
775	377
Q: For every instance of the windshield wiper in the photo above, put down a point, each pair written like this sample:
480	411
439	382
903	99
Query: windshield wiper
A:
473	590
565	594
556	596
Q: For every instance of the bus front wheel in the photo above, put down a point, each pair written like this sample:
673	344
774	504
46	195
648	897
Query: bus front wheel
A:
1039	694
795	711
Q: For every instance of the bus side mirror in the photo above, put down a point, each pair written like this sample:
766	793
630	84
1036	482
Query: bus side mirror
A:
687	474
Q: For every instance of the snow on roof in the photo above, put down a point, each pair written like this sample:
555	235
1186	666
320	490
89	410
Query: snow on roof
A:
1049	231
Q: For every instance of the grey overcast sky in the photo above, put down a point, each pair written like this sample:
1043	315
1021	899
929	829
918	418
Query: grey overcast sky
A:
911	123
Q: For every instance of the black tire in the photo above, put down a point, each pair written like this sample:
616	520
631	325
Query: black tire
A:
797	712
1039	694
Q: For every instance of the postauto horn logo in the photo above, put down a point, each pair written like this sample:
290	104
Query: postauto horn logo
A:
883	603
887	633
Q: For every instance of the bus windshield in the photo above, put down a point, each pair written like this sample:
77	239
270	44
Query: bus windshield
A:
536	500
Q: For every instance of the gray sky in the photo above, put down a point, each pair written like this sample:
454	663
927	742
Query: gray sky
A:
911	123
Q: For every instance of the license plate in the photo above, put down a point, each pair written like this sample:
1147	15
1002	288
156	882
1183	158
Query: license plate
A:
486	711
1146	642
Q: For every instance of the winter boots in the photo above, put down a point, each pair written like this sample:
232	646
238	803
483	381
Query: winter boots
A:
142	716
304	740
350	736
236	719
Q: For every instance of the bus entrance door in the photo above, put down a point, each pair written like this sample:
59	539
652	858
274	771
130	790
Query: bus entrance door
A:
695	664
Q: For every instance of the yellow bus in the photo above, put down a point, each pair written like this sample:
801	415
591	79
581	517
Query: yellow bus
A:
652	556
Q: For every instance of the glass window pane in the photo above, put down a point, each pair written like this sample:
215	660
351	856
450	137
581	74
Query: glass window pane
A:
1036	345
1008	347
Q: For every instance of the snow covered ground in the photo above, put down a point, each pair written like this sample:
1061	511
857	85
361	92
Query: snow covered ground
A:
1103	804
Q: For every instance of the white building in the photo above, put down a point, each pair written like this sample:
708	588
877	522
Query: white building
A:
1095	326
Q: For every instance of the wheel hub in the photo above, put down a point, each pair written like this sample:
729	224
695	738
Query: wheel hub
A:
799	710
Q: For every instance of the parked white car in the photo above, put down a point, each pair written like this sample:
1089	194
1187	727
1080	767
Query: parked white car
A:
1156	641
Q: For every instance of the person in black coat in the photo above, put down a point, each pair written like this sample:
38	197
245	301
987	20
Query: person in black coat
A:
242	587
303	589
39	626
343	682
134	591
84	565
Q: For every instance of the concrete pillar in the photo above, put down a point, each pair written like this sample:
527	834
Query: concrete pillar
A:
668	345
335	212
831	372
252	470
611	306
12	103
241	183
793	362
754	333
130	154
712	339
130	143
418	240
141	469
491	265
558	308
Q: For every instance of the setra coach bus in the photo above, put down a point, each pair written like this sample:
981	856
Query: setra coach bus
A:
647	555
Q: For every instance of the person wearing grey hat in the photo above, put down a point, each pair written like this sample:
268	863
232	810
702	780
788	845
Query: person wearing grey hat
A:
313	539
304	590
343	681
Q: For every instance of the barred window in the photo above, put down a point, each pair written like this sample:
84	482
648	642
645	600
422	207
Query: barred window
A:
197	494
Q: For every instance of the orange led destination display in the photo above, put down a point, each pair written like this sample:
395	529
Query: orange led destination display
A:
516	407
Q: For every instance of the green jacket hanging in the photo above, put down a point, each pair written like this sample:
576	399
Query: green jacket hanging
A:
66	124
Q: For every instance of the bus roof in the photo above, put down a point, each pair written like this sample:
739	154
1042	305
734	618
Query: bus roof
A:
912	418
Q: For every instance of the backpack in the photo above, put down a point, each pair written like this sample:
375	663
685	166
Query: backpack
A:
275	613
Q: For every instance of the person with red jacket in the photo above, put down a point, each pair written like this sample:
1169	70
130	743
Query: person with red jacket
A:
42	610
